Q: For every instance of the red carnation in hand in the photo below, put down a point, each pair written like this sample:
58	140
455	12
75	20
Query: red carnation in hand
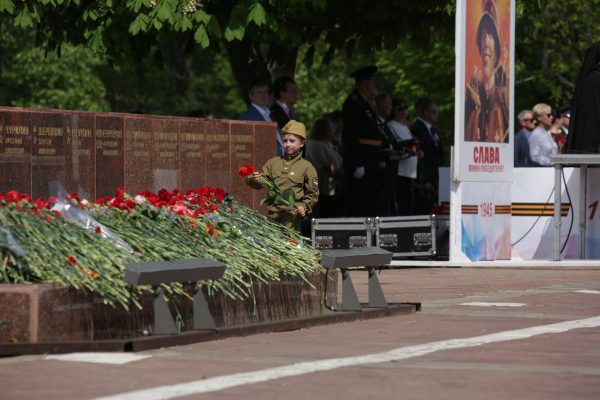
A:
247	170
275	196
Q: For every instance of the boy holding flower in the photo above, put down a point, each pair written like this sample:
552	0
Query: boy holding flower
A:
292	173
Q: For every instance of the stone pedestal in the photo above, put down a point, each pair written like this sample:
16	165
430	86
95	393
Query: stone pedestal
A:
44	313
54	313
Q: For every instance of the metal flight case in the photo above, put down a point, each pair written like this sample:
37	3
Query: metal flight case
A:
342	233
418	236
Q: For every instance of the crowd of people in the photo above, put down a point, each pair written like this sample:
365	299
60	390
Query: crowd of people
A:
543	133
371	157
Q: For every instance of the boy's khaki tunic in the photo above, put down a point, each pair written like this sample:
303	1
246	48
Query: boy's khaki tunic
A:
295	172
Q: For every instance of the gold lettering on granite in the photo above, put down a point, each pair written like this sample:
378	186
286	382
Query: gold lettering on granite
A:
242	138
13	140
14	150
46	152
109	133
16	130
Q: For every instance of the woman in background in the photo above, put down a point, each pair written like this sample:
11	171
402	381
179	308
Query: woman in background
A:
541	143
321	153
407	164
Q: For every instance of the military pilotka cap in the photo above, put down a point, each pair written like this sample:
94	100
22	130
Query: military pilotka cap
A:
364	73
296	128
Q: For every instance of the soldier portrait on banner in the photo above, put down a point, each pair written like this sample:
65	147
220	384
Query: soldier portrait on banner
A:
487	71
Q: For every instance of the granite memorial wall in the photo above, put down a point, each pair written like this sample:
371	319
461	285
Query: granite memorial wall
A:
95	153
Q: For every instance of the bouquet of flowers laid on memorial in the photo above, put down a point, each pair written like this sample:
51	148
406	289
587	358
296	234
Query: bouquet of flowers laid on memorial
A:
87	244
38	245
275	196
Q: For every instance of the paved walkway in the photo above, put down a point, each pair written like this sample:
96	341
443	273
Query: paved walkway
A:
482	333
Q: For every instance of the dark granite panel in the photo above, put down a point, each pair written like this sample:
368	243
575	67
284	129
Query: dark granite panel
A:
265	137
265	134
165	155
14	315
15	151
95	153
110	164
48	151
218	154
242	153
64	314
192	156
138	154
80	155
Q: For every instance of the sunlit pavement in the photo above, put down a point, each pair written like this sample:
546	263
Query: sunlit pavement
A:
525	360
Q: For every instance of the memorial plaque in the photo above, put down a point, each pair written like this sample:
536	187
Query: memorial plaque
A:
80	155
15	151
192	170
138	154
218	163
47	151
95	153
110	161
265	136
242	153
165	156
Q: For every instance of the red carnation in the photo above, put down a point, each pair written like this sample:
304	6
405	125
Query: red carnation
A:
247	170
210	229
72	260
98	230
75	197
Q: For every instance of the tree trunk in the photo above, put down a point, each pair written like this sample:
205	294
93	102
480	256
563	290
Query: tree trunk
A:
249	64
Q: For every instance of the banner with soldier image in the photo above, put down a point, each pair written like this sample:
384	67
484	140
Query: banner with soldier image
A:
484	138
482	164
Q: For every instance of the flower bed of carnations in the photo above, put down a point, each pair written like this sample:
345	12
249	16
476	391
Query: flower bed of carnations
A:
87	245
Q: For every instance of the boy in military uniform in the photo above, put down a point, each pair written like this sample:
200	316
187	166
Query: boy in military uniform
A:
291	171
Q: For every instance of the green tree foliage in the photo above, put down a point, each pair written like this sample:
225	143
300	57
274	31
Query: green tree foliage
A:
31	78
408	71
551	39
261	37
198	83
178	56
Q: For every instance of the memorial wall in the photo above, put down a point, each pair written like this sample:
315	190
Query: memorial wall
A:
94	153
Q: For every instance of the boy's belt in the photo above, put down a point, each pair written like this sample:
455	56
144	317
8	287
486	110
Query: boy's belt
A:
369	142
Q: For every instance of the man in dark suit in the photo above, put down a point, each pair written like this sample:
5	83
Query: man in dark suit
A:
388	162
527	123
286	96
361	140
258	110
424	130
